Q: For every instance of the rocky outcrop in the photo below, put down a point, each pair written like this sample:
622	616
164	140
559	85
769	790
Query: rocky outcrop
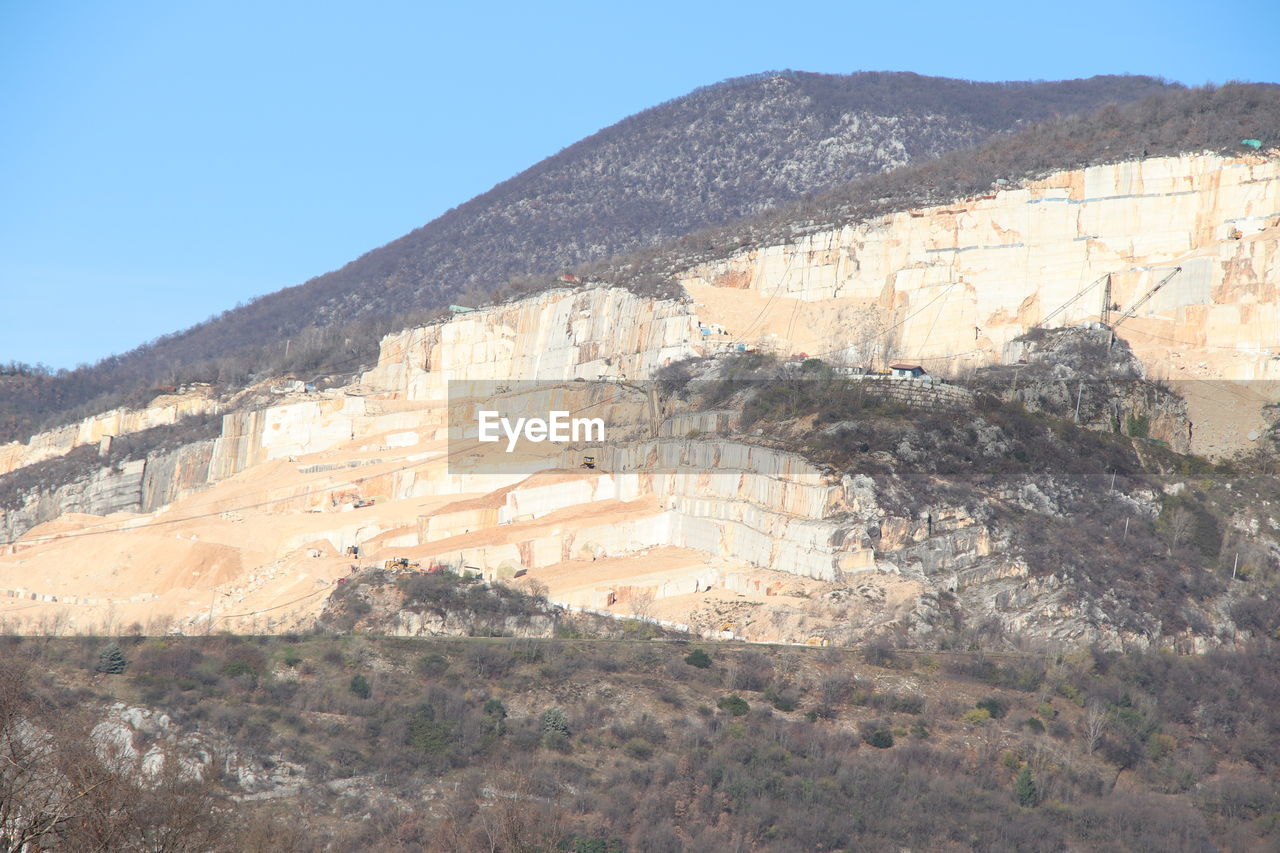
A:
143	743
138	485
103	492
162	411
1081	373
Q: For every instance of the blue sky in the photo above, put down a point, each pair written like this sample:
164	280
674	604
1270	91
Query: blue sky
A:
161	162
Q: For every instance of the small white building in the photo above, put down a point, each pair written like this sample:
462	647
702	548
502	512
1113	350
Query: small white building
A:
906	370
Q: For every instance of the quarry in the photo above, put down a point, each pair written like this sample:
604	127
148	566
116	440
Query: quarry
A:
686	518
812	462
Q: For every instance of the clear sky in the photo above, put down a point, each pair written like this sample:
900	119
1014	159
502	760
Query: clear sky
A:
161	162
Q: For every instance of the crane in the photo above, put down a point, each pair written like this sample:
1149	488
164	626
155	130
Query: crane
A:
1107	306
1133	309
1064	306
1146	296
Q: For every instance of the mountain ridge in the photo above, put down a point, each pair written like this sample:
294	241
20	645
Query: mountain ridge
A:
771	139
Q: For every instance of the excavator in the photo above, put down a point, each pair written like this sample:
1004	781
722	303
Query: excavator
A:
401	563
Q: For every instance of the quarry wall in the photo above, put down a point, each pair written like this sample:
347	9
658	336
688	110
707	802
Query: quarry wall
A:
139	485
756	504
957	282
556	335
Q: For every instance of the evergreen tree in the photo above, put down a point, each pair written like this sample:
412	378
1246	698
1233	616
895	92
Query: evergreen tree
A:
1024	788
554	722
360	686
880	738
555	730
111	660
698	658
432	736
495	715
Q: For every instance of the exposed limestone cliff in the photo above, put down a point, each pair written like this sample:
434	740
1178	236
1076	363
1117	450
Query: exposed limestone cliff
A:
747	503
162	411
953	285
138	485
942	285
556	335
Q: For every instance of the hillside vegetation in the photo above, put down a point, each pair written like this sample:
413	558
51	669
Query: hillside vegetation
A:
521	746
716	155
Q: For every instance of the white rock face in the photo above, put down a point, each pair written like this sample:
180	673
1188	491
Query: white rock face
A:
960	281
92	430
117	735
955	284
114	741
755	504
557	335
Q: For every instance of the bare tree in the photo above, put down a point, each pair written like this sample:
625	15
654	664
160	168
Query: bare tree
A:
537	588
640	604
515	818
37	798
1180	523
1097	719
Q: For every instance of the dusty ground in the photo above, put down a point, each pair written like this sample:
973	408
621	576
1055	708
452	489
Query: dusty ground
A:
1227	417
260	548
